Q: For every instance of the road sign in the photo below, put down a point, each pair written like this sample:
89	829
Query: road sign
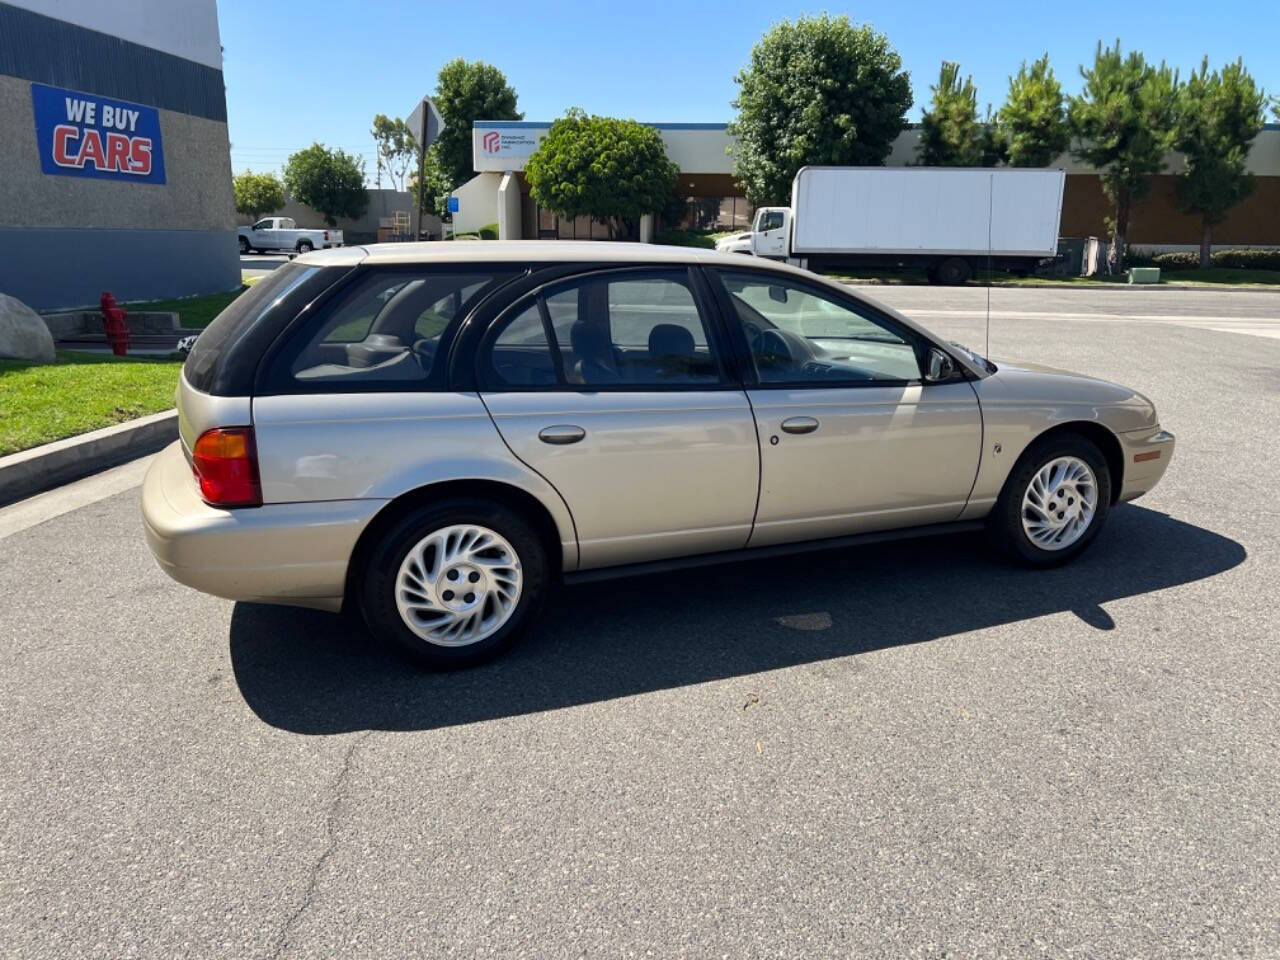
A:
425	122
453	204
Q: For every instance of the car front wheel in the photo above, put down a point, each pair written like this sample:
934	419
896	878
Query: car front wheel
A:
1054	503
456	583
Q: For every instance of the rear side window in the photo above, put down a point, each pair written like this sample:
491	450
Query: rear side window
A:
230	326
388	329
621	331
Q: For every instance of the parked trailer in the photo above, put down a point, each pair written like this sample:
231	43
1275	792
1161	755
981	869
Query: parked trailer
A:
950	221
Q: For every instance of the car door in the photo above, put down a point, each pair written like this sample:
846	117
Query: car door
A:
613	387
771	233
264	234
852	438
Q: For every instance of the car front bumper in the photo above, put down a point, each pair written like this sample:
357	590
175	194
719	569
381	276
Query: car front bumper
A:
295	553
1147	453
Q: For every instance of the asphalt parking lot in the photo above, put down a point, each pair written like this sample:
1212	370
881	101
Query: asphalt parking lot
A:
895	751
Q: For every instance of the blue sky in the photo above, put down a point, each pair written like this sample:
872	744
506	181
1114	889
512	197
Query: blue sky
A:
320	70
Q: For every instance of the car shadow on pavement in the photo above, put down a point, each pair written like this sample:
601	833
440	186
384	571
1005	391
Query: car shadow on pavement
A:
318	673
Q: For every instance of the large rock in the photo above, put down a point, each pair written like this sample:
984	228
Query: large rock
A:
23	335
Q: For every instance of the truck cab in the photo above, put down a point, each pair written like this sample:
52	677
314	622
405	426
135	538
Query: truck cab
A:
265	234
771	233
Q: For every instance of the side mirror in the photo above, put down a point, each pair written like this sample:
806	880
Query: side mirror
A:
941	366
778	294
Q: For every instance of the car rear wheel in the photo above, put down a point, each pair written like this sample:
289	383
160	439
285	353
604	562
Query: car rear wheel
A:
305	246
244	246
455	583
951	271
1054	503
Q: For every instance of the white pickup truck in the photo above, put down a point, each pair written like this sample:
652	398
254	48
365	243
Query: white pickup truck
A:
282	233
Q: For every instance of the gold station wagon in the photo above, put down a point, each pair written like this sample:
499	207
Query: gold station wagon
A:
434	433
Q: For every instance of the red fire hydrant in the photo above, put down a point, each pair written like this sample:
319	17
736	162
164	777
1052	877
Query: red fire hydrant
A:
113	324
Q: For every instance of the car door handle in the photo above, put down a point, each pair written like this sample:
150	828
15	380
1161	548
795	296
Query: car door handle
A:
799	425
561	434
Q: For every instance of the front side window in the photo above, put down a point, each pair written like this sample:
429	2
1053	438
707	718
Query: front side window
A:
628	331
387	328
769	220
797	334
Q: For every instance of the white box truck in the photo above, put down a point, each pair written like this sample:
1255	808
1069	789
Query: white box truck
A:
947	220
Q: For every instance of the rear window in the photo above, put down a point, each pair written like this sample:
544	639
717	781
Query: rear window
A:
205	368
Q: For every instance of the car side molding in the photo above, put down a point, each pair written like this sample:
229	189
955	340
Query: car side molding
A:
774	550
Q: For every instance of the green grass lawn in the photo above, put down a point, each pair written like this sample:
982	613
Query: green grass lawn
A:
81	392
692	238
1215	276
195	313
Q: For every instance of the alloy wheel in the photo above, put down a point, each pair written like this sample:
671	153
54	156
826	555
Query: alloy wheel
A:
458	585
1059	503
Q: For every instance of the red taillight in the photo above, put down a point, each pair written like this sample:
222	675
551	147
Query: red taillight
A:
326	234
225	462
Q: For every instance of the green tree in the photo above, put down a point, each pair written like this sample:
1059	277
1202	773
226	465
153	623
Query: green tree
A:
257	193
1219	115
1034	118
331	181
397	149
609	169
993	144
819	90
467	92
1123	123
950	135
437	186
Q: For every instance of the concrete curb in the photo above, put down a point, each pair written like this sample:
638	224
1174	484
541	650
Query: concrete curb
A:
52	464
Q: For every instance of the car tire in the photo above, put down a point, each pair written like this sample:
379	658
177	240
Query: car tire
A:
405	588
244	246
1034	526
305	246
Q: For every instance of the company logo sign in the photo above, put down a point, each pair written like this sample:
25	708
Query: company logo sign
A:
504	147
84	135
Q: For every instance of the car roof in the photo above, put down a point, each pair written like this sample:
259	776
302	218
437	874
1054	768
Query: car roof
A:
525	251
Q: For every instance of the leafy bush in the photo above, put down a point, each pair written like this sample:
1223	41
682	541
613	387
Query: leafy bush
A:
489	231
1182	260
1232	259
687	238
1248	259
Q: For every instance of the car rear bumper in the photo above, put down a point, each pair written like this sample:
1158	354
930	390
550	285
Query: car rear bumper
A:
293	553
1147	453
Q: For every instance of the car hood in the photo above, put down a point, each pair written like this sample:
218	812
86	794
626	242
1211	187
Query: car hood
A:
1076	396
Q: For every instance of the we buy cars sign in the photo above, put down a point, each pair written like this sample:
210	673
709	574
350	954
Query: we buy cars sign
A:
83	135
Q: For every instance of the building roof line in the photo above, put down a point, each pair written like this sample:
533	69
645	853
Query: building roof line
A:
539	125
